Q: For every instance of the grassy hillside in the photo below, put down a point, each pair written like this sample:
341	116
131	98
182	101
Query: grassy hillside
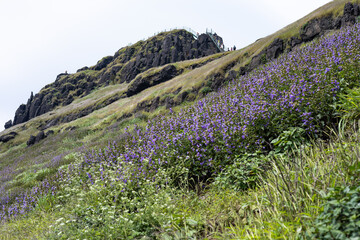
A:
270	155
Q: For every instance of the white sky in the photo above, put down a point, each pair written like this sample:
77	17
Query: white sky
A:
41	38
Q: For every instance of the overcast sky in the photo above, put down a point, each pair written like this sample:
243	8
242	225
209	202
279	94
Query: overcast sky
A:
42	38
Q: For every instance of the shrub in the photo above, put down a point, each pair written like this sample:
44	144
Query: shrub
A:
205	90
289	140
243	173
341	216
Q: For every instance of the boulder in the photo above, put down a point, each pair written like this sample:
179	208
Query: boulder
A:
48	133
21	114
349	15
40	136
8	124
271	52
7	137
35	139
294	41
315	27
275	49
31	140
356	10
349	9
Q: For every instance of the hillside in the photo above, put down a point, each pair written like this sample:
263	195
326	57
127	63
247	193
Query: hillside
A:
171	138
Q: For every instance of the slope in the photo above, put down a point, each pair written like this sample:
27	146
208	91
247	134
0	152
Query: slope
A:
220	66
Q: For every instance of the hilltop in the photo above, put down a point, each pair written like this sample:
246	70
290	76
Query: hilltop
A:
174	138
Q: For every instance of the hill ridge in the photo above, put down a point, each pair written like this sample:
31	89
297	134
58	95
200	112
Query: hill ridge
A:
124	66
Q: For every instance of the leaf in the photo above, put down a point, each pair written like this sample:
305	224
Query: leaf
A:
191	222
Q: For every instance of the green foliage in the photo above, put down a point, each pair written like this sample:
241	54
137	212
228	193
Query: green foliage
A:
290	140
263	59
114	210
340	218
348	106
304	26
205	90
243	173
43	173
46	203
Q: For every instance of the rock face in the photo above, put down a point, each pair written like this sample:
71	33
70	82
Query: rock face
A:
124	66
141	83
312	29
103	63
271	52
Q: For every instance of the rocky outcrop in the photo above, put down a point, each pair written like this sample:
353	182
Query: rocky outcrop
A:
35	139
124	66
174	47
271	52
7	137
103	63
312	29
319	26
143	82
315	27
8	124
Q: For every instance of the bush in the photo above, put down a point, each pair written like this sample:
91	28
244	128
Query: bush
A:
205	90
289	140
243	173
341	216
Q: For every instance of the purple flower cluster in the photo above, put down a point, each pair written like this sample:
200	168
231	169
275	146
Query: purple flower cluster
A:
25	201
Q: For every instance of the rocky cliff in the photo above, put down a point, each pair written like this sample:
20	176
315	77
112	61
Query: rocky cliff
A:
312	29
124	66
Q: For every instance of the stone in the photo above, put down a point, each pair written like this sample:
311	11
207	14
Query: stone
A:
21	114
274	50
31	140
271	52
315	27
349	9
8	124
7	137
48	133
356	10
242	71
40	136
294	41
35	139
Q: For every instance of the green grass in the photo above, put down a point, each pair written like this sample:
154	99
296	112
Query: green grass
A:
286	200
